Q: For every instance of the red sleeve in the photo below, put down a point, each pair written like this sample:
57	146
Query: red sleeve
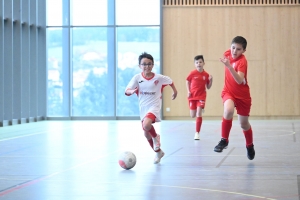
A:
189	78
242	66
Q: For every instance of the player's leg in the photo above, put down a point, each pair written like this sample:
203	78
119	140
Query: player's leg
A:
149	138
193	112
193	108
200	107
243	110
152	137
148	127
226	125
247	130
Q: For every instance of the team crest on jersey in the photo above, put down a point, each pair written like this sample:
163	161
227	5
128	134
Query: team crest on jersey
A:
156	82
204	78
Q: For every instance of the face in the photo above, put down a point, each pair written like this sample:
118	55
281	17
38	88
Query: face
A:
146	65
237	50
199	65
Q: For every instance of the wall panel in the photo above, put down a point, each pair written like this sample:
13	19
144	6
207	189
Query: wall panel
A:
16	61
273	53
23	61
7	60
1	64
33	58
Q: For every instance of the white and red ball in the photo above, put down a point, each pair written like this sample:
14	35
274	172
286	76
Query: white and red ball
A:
127	160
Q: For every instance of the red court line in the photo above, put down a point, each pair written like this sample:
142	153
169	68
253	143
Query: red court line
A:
31	182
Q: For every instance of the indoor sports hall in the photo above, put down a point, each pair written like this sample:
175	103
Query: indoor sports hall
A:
65	119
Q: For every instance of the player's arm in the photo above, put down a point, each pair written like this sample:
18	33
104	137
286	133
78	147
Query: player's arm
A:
210	78
174	91
129	91
238	76
188	86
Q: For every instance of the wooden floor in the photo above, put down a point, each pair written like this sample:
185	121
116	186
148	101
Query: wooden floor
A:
78	160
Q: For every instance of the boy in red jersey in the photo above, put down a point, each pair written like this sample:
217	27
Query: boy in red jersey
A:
236	94
196	83
149	87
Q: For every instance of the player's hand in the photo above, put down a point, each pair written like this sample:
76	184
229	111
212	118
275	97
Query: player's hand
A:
174	95
131	91
225	61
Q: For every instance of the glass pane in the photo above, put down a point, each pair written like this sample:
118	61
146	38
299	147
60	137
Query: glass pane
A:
93	80
138	12
89	12
58	72
131	42
54	13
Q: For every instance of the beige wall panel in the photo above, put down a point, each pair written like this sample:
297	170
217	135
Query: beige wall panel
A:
272	52
256	81
282	59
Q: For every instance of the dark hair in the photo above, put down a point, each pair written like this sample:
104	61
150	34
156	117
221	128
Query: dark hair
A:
240	40
145	55
199	57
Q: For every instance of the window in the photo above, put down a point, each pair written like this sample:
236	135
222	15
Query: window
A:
131	42
93	48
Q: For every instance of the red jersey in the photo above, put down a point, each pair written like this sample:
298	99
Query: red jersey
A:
239	91
198	81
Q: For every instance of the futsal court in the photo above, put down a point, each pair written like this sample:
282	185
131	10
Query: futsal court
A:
78	160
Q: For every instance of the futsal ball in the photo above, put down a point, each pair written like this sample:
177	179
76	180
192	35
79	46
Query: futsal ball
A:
127	160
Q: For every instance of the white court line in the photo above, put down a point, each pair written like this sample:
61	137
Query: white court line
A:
203	189
12	138
32	134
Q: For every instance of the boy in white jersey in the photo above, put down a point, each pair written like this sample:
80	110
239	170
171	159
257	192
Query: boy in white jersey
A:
148	86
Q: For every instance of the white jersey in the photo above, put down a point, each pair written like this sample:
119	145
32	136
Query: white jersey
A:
149	93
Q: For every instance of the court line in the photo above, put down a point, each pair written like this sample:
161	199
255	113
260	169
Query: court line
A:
174	152
17	137
32	134
225	158
203	189
33	181
212	190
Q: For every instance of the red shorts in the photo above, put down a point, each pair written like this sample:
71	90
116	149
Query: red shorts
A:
150	116
193	104
242	105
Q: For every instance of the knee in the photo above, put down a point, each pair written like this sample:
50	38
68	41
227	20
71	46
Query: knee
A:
146	126
245	125
228	114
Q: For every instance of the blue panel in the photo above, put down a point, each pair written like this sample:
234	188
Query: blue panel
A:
16	60
8	28
33	60
41	59
1	63
25	60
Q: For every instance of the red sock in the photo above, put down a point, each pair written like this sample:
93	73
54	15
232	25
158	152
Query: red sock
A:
226	127
150	142
198	124
249	137
152	132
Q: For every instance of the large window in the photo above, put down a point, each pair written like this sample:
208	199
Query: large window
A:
58	72
93	48
131	42
93	80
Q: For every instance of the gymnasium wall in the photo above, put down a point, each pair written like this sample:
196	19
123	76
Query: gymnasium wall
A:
22	61
272	29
